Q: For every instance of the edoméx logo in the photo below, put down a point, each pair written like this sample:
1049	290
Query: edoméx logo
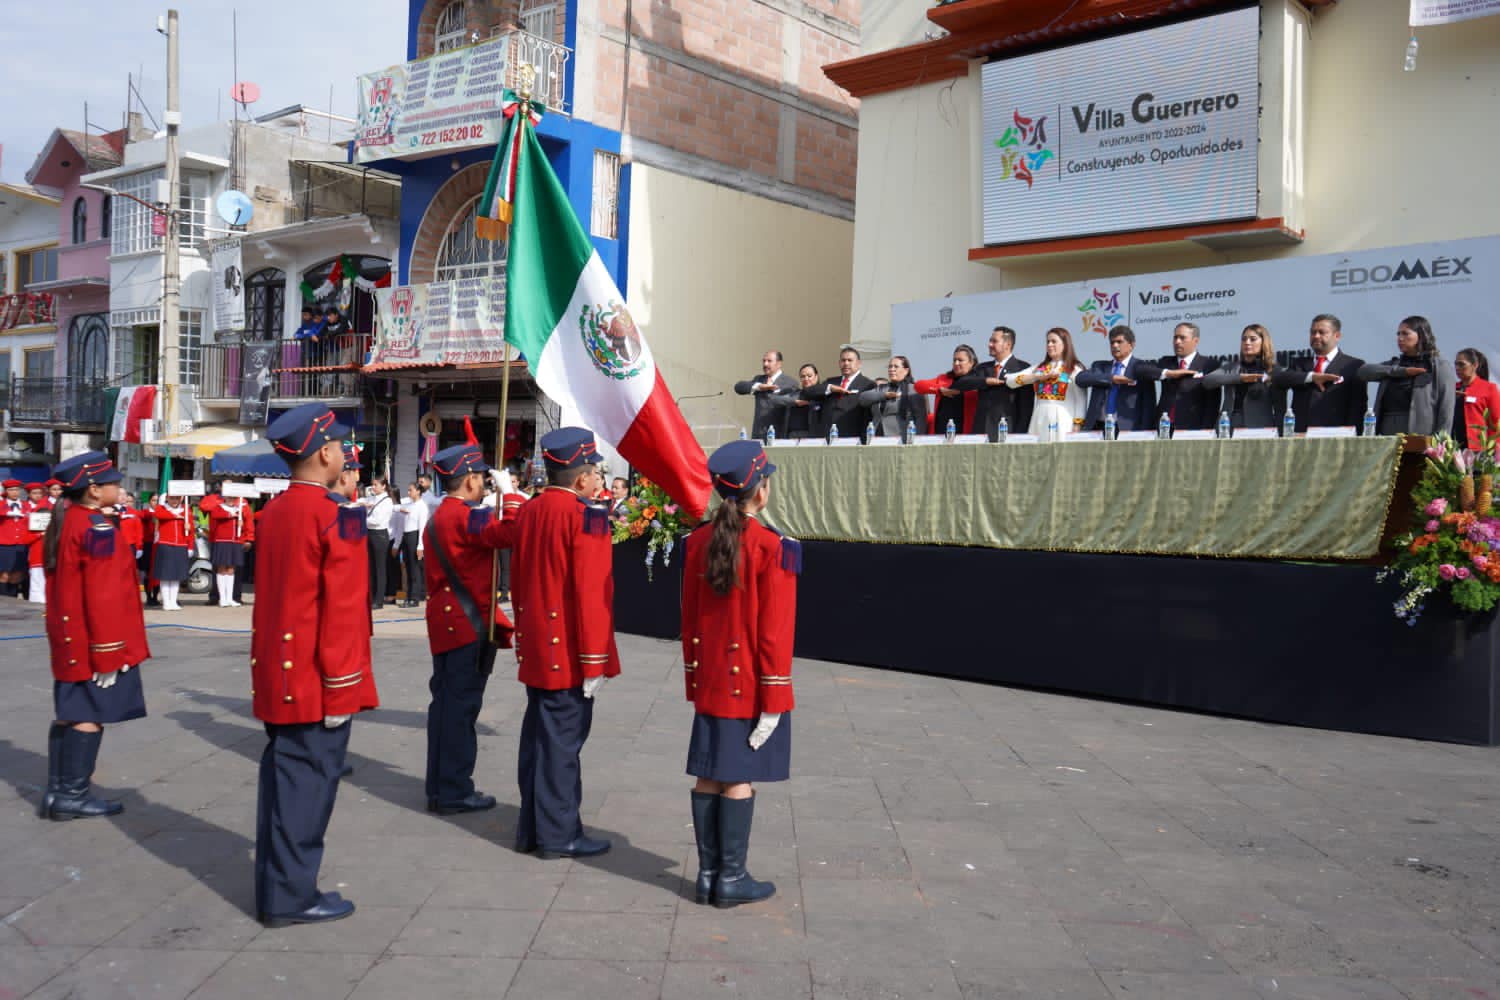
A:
1099	312
1023	147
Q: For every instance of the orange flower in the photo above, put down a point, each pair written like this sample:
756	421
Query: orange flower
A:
637	529
649	513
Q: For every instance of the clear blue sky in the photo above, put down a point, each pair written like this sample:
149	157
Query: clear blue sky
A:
61	53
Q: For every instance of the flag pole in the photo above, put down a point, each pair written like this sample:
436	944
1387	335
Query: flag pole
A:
528	78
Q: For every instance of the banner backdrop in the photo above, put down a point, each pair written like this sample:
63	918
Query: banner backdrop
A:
229	287
1451	283
434	105
1427	12
447	322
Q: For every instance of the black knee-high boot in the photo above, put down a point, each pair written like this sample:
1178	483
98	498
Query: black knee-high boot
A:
54	768
80	752
734	884
706	827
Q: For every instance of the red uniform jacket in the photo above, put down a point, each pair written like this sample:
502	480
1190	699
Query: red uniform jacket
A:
223	525
94	618
563	580
174	527
471	553
34	554
310	641
934	387
132	531
737	647
13	530
1481	403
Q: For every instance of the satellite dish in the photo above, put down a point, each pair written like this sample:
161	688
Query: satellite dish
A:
235	208
245	93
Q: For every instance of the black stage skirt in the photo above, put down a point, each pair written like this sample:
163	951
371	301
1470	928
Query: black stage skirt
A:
13	558
169	562
720	750
228	554
85	701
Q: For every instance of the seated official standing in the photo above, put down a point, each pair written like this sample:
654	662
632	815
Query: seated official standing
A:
173	549
739	616
764	387
1121	386
461	541
1476	410
1186	399
953	404
13	535
804	417
840	396
309	664
997	401
378	508
1250	395
1326	391
1416	387
1059	400
96	632
895	402
565	641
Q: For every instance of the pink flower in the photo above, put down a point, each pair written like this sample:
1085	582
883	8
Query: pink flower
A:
1437	508
1462	572
671	508
1446	571
1480	562
1432	525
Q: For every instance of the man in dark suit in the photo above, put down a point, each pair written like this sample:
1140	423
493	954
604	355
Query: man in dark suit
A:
996	400
763	387
1121	386
840	396
1326	391
1186	401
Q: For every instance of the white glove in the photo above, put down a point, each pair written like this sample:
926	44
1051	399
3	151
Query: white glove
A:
763	729
107	680
504	485
334	721
591	685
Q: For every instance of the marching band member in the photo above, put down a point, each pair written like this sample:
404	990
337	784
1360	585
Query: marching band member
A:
739	610
96	632
36	584
172	553
563	580
309	664
13	539
231	531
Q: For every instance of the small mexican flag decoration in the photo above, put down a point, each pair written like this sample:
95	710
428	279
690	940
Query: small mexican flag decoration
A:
499	195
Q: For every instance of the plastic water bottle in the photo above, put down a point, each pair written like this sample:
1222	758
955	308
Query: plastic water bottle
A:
539	470
869	432
949	431
1110	423
1369	430
1410	63
1164	427
1052	434
833	433
770	435
911	431
1224	430
1003	430
1289	424
743	436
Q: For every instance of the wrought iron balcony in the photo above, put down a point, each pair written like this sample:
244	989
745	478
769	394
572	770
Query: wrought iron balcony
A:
301	371
551	63
59	402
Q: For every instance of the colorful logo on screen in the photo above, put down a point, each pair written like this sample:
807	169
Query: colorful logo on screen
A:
1023	148
1100	312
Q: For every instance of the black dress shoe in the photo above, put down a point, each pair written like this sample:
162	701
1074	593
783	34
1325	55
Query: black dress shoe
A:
583	847
473	803
330	906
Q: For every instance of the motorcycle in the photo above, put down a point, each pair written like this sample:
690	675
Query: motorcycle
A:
200	576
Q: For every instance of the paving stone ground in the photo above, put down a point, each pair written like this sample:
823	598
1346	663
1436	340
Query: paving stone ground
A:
940	839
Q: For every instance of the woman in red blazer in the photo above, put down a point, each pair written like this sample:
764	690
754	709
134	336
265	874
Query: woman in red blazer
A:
1477	414
739	615
953	404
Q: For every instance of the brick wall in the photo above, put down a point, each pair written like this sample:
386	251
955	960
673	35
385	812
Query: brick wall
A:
464	186
487	17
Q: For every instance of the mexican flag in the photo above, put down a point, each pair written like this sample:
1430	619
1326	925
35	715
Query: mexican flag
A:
564	313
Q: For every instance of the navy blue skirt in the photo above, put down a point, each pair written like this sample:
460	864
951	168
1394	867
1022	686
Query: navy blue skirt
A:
85	701
169	562
228	554
720	750
13	558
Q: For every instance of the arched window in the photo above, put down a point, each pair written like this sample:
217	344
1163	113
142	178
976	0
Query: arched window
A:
104	217
464	255
80	220
88	347
265	304
452	28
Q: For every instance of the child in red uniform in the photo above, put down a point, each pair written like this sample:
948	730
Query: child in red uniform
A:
171	555
14	537
38	503
96	632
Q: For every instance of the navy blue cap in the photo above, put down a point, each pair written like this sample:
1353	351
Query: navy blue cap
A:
351	457
304	429
92	468
568	448
457	459
738	467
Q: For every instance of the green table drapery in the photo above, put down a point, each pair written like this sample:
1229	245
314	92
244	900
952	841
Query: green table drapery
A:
1311	498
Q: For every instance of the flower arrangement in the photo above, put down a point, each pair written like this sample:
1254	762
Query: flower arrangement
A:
1455	544
650	513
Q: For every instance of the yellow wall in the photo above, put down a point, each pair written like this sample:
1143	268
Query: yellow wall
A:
1390	158
716	277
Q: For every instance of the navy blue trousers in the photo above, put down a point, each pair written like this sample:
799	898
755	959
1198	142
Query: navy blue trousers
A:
458	681
299	777
551	774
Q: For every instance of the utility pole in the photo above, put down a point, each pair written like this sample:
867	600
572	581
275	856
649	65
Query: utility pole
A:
171	265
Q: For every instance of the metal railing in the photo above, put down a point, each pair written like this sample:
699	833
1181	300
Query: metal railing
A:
301	370
551	62
58	402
